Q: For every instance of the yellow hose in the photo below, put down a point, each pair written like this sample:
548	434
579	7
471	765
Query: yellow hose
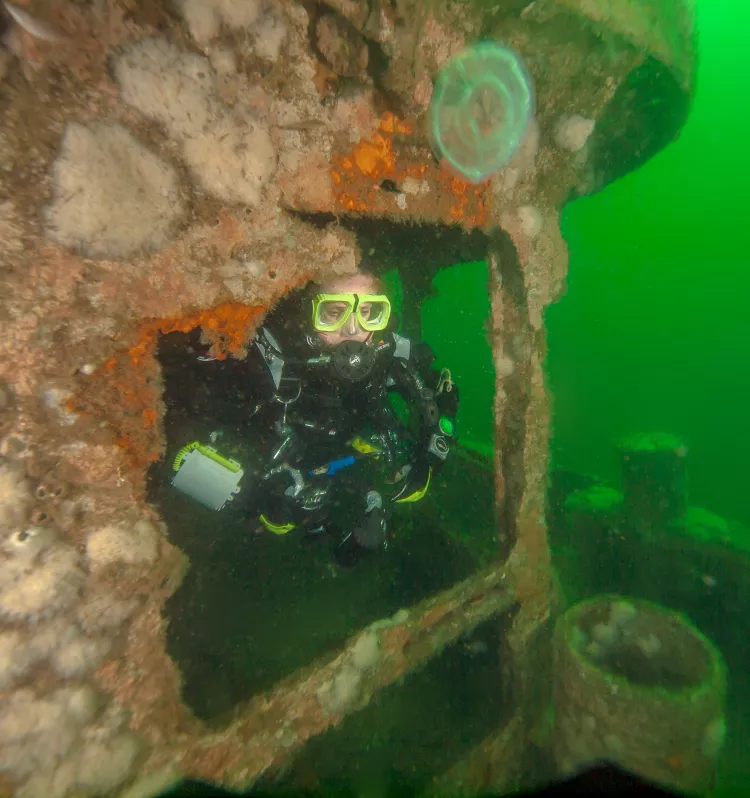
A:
182	453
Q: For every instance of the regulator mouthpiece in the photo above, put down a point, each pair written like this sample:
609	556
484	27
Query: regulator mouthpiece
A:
353	360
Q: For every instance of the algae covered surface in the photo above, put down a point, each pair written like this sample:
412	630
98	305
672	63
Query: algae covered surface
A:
176	168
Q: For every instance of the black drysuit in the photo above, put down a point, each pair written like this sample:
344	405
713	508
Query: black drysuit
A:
316	431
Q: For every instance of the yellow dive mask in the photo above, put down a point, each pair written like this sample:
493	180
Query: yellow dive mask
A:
332	311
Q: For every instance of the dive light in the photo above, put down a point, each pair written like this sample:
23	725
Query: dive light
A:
206	476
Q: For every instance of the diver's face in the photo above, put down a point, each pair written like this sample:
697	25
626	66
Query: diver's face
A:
351	331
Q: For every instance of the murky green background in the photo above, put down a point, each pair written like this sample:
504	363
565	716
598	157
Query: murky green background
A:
654	332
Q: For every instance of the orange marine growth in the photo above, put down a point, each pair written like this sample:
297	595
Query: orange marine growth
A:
358	177
375	158
357	174
468	205
228	327
126	390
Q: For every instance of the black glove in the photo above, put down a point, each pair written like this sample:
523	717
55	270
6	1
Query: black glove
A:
371	534
366	538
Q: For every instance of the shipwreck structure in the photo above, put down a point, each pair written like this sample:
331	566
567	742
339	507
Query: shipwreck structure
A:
167	166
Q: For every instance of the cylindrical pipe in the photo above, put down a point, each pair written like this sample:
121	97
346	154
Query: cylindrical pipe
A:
654	481
593	515
637	685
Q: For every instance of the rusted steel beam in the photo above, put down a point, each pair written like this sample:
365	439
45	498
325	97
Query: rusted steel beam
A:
492	766
270	728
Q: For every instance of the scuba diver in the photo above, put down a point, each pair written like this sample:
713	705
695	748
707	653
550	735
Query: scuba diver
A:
322	449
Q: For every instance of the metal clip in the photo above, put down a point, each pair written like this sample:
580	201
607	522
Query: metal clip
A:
283	447
287	402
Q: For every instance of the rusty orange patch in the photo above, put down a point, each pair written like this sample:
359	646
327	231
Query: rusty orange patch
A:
357	177
126	390
227	326
375	158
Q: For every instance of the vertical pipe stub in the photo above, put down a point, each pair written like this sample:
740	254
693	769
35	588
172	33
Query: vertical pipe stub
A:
654	480
636	684
480	109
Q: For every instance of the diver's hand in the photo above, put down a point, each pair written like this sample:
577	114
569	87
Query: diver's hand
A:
415	483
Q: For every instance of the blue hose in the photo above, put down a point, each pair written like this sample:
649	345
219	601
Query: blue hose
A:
334	466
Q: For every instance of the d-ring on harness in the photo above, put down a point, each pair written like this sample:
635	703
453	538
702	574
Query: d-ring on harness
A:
284	430
287	402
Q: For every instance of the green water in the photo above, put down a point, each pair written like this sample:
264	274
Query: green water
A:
653	331
468	355
652	334
455	321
